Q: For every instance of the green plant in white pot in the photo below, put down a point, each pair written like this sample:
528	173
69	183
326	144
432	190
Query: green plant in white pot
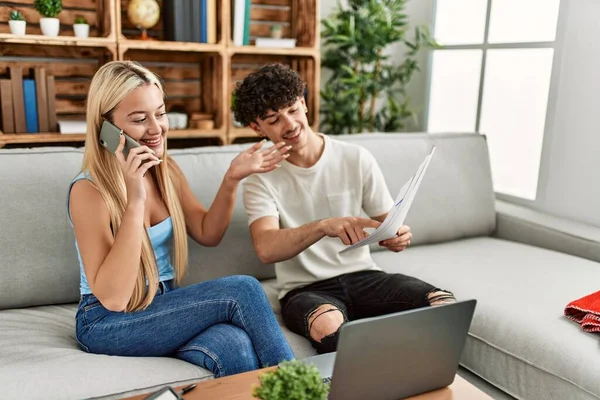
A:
49	9
17	23
81	27
292	380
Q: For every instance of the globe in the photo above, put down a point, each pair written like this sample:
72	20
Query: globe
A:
144	14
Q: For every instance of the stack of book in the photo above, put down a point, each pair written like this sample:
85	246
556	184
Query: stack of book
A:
241	21
190	20
27	101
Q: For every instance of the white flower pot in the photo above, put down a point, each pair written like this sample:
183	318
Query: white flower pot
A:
50	26
81	30
17	27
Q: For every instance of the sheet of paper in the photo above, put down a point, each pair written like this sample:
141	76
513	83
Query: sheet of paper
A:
396	216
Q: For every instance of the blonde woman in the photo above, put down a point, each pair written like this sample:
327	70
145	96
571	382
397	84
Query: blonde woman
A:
131	217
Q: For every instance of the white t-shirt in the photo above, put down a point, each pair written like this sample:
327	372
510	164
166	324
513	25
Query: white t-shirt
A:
345	181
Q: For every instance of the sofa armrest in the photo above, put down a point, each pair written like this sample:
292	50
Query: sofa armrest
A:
524	225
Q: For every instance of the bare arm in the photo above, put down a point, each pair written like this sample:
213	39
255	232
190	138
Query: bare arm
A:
207	227
111	264
273	244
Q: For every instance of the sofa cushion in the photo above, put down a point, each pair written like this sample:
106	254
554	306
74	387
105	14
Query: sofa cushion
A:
41	360
38	263
519	339
40	342
456	197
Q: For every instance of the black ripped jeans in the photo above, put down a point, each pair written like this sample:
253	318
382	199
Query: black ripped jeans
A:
357	295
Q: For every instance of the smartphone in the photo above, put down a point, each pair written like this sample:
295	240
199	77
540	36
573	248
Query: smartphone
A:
110	136
166	393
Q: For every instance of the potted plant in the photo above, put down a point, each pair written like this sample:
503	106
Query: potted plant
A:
292	380
17	23
81	27
276	31
366	90
49	9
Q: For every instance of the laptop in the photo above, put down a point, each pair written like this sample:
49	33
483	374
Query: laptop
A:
398	355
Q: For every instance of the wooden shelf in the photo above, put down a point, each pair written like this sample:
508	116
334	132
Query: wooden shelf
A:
296	51
25	138
57	40
198	77
194	133
126	44
240	133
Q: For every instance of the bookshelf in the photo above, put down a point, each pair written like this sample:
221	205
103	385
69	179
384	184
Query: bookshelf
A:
199	78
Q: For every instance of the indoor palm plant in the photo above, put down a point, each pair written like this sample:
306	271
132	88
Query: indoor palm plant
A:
49	10
367	90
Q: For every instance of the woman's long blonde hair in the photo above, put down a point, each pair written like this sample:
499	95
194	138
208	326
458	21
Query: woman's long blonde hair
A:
111	83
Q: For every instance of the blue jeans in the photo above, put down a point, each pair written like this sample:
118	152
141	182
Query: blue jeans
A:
225	325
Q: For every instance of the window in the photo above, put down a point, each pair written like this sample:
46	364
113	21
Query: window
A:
492	75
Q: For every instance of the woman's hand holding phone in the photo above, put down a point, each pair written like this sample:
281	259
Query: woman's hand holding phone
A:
138	162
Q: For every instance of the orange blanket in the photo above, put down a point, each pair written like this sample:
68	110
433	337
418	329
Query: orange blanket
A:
585	311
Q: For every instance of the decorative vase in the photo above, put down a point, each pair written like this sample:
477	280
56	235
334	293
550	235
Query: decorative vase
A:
50	26
17	27
81	30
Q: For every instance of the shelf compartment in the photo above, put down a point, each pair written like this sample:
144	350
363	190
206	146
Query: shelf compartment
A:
127	31
193	84
298	19
98	13
71	67
244	64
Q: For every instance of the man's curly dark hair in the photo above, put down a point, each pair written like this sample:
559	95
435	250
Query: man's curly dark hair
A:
272	87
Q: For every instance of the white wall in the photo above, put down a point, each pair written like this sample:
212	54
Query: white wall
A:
570	172
569	183
420	12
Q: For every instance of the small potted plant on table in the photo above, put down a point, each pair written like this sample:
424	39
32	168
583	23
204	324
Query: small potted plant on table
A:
81	27
17	23
49	9
292	380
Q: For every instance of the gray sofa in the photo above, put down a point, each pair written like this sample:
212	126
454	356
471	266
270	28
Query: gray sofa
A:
523	267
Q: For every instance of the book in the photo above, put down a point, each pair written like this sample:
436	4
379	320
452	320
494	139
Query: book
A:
203	19
18	103
396	216
41	92
29	99
270	42
6	106
72	126
211	21
247	18
51	90
239	12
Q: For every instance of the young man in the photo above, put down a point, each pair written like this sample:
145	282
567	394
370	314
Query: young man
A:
303	214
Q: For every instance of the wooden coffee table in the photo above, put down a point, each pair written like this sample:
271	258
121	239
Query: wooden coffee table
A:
239	387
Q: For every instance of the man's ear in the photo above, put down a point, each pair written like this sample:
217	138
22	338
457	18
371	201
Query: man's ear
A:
254	126
303	104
